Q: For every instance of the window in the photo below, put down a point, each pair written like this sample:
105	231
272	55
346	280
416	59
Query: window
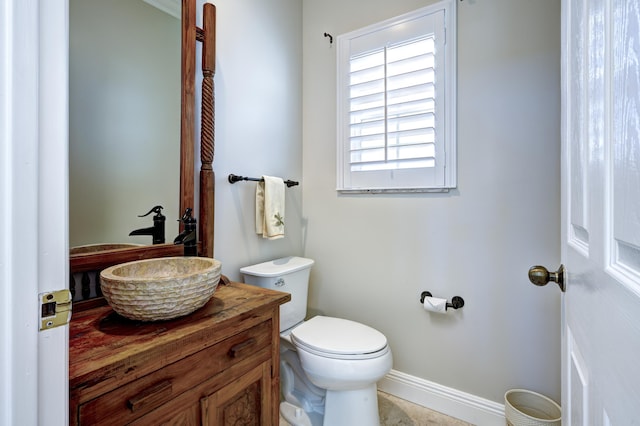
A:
396	104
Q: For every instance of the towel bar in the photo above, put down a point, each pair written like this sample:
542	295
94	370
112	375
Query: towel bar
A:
235	178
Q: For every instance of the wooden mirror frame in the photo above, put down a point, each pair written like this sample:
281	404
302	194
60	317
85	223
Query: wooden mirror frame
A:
190	34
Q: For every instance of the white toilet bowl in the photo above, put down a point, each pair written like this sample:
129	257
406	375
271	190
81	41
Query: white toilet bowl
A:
328	366
344	374
345	359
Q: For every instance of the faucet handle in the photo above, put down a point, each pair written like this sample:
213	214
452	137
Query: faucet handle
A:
188	236
186	217
157	210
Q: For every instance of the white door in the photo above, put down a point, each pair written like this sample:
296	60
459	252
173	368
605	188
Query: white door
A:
601	212
52	203
33	209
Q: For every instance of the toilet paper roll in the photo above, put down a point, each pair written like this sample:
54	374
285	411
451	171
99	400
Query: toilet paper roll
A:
435	304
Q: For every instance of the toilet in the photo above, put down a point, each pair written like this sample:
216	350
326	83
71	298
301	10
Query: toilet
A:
329	366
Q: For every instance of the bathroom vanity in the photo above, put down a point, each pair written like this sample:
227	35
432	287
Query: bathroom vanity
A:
216	366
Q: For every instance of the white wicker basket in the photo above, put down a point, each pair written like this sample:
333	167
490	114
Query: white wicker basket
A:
526	408
161	288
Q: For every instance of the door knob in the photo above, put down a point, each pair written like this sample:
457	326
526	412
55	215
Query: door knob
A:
539	275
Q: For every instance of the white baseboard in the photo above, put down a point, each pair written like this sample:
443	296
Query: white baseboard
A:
452	402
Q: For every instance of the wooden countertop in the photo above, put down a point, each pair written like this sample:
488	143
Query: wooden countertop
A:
107	350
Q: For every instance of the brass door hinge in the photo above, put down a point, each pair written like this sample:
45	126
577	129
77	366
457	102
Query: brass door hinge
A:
55	309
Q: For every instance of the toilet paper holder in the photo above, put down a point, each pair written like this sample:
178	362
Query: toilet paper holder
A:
457	302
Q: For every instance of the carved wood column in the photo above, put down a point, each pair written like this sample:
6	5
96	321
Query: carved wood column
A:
207	134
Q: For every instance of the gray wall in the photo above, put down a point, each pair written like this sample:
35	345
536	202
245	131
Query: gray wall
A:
375	254
258	90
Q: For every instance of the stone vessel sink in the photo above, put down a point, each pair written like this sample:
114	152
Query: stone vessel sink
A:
161	288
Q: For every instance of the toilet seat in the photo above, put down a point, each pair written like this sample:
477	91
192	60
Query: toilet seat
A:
339	338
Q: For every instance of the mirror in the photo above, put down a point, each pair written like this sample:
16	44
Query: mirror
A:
124	120
85	267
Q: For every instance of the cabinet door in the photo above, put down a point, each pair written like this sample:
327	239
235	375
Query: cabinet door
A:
245	401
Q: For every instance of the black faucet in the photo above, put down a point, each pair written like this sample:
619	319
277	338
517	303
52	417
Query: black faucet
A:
157	230
188	237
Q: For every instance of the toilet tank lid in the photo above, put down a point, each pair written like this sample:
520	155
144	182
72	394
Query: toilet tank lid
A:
275	268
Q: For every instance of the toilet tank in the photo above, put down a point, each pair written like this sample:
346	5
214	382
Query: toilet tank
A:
288	274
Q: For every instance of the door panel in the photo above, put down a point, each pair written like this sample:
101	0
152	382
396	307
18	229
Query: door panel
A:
245	401
578	189
625	154
601	211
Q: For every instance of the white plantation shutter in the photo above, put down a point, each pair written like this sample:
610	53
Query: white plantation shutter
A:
395	106
392	107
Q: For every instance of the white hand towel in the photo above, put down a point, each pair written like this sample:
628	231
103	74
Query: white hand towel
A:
270	208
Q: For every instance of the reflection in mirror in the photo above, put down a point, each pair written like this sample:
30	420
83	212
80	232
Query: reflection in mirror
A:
124	120
97	248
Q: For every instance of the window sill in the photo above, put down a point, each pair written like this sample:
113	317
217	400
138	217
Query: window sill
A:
393	191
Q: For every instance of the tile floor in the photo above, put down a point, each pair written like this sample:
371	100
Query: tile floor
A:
398	412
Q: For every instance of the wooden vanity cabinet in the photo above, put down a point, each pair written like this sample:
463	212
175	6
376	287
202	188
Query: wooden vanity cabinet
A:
217	366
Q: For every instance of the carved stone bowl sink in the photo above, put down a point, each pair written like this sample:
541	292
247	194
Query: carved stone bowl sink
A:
161	288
